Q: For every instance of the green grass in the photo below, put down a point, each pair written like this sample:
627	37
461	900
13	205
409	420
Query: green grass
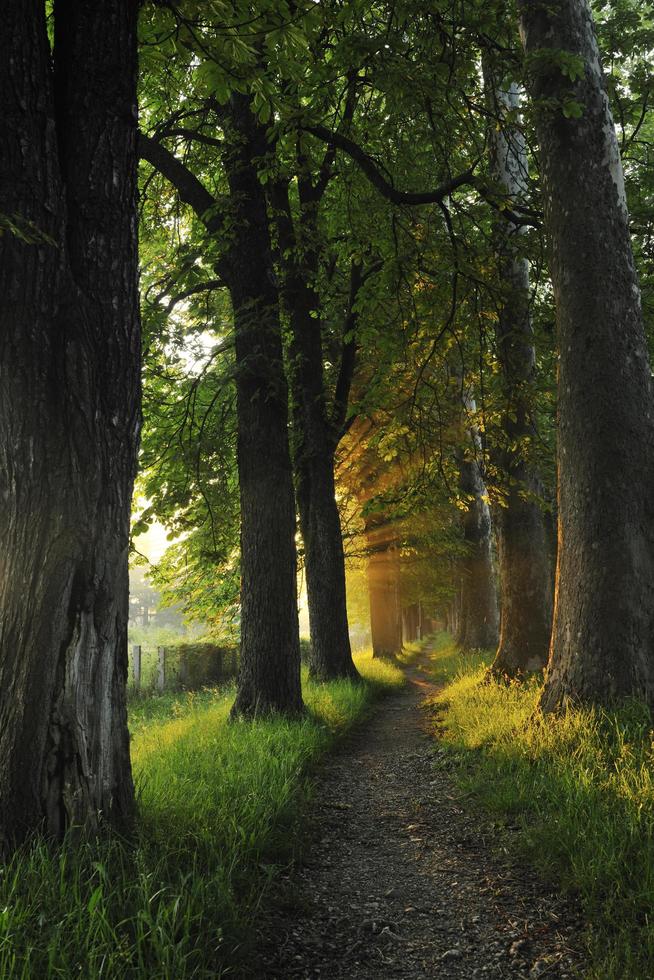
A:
580	789
219	809
146	709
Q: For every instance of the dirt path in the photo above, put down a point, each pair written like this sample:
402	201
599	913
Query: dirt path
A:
403	880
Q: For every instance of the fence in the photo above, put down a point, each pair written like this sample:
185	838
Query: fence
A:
182	666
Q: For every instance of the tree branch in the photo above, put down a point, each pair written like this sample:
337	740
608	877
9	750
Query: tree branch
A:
192	134
519	216
201	287
191	191
326	167
339	423
377	179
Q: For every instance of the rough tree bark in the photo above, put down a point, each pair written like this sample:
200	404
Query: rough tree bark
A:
269	675
604	607
69	413
316	434
525	581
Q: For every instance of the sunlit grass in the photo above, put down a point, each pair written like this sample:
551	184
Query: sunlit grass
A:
443	657
219	808
580	789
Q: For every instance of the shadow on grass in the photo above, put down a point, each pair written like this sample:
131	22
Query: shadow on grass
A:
580	789
219	809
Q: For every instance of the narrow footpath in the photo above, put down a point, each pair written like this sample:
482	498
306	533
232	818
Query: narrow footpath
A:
403	879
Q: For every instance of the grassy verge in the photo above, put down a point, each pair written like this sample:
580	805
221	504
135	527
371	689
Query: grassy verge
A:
219	808
580	790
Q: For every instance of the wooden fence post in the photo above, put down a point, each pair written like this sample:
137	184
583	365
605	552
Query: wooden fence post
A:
136	666
161	672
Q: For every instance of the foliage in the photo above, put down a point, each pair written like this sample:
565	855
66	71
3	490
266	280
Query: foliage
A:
577	790
189	477
381	75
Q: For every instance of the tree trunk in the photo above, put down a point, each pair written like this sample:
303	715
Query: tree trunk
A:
269	676
525	583
320	522
69	413
406	625
384	591
315	441
331	654
410	623
455	613
478	618
604	608
478	621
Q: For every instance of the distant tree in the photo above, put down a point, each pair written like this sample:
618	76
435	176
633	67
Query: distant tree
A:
479	614
69	412
384	585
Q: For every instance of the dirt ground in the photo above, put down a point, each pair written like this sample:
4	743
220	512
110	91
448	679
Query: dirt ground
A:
403	879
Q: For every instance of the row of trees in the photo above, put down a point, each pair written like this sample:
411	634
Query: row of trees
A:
318	336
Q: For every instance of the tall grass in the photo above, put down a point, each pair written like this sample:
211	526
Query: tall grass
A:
580	789
218	810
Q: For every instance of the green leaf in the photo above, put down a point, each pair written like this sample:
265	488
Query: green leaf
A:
572	109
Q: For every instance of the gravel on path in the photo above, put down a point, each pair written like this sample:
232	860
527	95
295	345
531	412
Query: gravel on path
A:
403	879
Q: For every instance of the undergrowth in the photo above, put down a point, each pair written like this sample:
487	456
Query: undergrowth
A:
580	790
218	811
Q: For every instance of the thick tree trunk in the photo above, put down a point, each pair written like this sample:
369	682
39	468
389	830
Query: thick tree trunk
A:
604	608
384	591
525	580
269	676
314	442
69	413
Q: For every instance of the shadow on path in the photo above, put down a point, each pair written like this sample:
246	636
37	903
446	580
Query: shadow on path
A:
403	879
